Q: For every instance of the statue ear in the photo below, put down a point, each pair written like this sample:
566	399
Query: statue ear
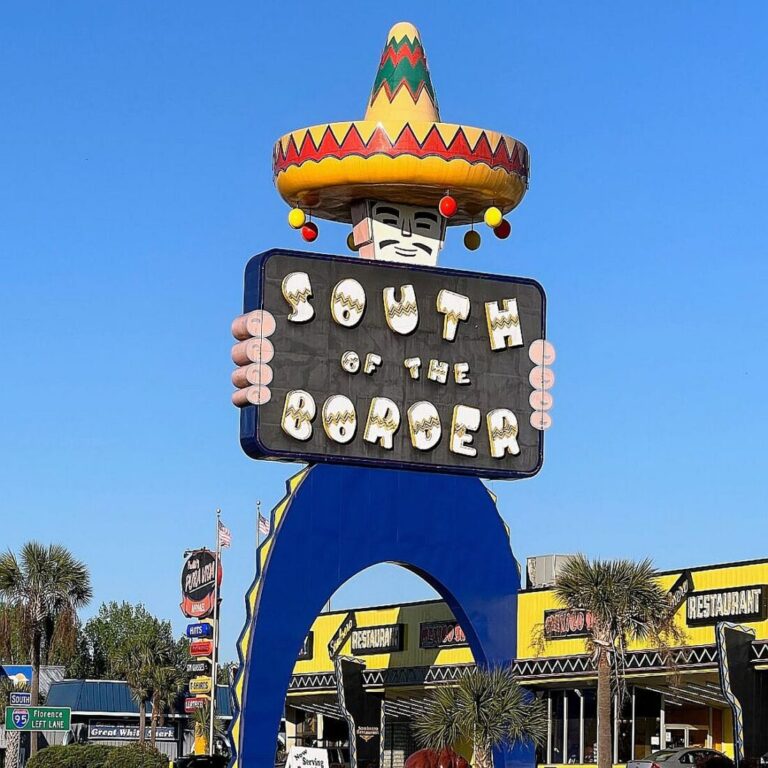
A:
362	232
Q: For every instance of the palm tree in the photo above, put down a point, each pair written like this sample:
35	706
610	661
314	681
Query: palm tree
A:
202	723
627	604
12	738
488	708
167	682
48	585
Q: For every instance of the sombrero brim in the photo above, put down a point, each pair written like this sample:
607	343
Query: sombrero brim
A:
327	167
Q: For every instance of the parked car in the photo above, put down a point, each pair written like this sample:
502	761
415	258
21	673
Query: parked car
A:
689	756
201	761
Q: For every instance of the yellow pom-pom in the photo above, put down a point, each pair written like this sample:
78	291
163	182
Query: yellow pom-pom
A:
493	217
351	243
472	240
297	218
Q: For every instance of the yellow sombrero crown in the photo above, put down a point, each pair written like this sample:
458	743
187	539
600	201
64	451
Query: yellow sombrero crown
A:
400	152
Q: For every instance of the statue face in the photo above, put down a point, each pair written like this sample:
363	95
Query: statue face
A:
404	233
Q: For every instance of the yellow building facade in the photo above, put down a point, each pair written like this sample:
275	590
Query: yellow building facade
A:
676	696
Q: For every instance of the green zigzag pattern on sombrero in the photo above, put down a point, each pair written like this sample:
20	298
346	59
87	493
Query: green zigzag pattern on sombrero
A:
403	64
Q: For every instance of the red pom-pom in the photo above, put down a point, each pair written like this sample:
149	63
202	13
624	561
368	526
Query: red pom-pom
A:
447	206
503	230
309	231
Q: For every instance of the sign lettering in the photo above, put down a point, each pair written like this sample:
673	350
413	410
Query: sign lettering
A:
420	367
735	604
383	639
441	634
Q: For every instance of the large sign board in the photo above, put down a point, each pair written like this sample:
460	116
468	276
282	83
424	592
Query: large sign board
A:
736	604
37	718
389	365
129	732
567	622
198	579
387	638
441	634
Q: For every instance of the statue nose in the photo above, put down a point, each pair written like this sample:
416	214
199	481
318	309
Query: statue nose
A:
407	229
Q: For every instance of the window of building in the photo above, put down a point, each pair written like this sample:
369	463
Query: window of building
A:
590	725
647	722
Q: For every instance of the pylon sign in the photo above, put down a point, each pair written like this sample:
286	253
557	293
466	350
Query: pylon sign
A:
201	648
198	685
198	584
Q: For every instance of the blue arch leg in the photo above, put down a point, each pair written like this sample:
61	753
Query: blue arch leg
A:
338	522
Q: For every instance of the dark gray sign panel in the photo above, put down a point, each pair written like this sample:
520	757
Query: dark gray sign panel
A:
439	356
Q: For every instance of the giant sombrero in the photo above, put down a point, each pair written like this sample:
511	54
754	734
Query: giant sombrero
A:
400	152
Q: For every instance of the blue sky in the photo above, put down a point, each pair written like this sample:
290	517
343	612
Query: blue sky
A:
135	182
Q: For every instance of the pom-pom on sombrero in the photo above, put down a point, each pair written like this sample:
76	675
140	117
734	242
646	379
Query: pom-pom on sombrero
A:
400	152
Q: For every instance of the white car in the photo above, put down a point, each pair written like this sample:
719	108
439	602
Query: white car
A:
678	758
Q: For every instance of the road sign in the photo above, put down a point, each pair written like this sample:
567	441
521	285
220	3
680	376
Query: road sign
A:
19	698
200	685
201	647
37	718
203	629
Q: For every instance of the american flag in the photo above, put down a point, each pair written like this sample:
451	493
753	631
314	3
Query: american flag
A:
225	536
263	525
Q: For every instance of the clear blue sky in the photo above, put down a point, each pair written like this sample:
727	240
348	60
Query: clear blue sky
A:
135	182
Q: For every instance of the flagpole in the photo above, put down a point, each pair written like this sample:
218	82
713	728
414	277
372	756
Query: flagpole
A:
214	656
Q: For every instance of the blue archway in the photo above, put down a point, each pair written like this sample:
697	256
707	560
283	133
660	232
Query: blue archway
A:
337	521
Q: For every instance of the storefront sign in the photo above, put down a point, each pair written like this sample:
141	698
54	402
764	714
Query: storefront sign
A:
198	667
341	635
197	584
192	703
201	648
383	639
381	364
680	590
308	647
307	757
441	634
564	622
199	685
129	732
37	718
735	604
203	629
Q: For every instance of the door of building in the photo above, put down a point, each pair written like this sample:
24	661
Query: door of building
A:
681	735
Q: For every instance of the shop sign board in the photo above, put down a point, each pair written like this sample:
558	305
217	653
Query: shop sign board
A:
387	638
307	757
199	685
203	629
441	634
567	622
336	643
197	584
680	590
129	732
733	604
199	667
307	649
192	703
37	718
201	648
385	365
20	697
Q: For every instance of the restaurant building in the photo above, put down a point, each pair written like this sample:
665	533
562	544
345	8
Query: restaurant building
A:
712	691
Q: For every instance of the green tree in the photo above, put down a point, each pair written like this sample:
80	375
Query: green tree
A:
488	708
139	660
167	682
627	604
107	634
47	585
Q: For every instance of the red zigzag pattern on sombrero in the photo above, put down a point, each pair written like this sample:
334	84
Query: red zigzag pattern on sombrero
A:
405	144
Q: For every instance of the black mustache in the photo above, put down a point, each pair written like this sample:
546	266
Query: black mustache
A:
425	248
